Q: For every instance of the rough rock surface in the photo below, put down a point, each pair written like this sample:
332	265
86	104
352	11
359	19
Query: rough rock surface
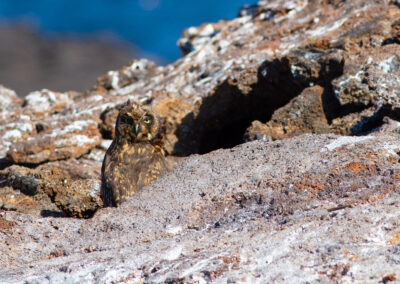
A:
307	208
57	193
8	98
239	71
70	141
303	114
243	70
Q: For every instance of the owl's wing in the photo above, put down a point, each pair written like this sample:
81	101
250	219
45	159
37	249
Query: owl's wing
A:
155	167
117	184
108	182
124	173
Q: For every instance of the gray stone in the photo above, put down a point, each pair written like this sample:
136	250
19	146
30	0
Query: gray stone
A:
232	215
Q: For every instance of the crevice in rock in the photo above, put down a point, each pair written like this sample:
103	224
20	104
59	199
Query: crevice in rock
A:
330	103
332	107
224	116
31	166
370	124
26	184
330	70
333	110
4	163
52	213
393	40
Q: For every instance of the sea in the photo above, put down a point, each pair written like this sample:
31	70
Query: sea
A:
153	26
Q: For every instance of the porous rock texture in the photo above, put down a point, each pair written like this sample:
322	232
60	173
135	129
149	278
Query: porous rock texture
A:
306	209
301	204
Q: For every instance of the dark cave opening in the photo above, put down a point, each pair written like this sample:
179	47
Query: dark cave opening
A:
223	117
228	137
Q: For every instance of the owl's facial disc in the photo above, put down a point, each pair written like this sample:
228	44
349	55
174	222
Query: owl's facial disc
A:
143	128
148	121
126	119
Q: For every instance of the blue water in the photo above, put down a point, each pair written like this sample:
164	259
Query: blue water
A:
152	25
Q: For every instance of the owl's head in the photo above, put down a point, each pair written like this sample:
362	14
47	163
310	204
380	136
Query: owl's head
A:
137	123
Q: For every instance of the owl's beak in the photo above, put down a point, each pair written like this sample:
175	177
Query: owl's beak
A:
136	128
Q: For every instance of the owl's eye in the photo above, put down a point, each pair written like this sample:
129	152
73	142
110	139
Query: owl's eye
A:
126	119
147	120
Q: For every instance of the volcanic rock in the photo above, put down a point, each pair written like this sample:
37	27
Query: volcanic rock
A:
71	141
51	187
256	131
21	192
8	98
245	69
329	204
310	207
304	113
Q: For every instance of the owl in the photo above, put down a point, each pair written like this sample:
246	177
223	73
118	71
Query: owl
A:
135	157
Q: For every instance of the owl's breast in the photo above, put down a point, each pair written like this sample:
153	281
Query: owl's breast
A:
129	167
134	154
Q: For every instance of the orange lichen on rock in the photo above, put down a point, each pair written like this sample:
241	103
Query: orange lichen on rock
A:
395	238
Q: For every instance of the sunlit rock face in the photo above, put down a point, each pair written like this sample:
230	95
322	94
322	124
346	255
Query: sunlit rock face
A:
264	188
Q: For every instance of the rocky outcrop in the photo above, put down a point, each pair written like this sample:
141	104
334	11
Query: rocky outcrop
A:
239	71
303	114
52	190
8	98
281	70
318	208
70	141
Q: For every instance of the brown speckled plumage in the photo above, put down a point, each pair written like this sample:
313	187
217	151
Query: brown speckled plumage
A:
135	158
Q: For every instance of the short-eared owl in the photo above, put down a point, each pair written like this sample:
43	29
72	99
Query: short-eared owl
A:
135	158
